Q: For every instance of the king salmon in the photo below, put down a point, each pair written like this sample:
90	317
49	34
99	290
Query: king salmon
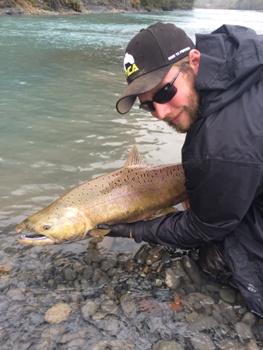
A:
132	193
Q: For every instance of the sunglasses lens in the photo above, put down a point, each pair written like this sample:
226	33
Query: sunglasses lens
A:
165	94
147	106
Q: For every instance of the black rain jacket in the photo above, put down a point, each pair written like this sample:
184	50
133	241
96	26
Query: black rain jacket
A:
223	161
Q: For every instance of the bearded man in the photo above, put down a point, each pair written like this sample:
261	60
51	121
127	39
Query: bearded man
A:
213	92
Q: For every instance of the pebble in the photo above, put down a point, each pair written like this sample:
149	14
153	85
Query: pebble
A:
170	279
168	345
109	306
154	254
228	295
89	309
141	255
202	323
201	341
57	313
243	331
192	270
129	305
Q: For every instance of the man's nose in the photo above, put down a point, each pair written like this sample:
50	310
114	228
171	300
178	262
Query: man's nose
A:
161	110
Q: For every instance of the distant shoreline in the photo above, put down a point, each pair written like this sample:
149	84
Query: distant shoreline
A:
28	10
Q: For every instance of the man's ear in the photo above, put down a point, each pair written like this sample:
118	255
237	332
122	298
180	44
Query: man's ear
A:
194	60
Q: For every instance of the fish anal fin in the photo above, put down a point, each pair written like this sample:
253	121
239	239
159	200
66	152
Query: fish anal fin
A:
135	160
162	212
98	232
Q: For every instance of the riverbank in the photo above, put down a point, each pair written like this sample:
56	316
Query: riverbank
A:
59	7
94	298
39	7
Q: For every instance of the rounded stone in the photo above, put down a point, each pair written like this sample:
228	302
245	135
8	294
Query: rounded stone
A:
57	313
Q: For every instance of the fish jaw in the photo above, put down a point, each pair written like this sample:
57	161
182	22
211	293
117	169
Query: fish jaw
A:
67	225
35	240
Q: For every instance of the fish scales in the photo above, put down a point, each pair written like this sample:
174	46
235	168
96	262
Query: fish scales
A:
134	192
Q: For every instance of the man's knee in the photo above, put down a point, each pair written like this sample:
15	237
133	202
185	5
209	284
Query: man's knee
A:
211	261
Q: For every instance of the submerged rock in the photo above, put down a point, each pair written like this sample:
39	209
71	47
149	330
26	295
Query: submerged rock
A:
58	313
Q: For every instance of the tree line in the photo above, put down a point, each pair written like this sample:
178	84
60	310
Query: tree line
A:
231	4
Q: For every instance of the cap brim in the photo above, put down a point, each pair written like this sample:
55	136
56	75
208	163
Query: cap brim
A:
141	85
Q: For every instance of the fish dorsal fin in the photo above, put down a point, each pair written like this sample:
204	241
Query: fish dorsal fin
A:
135	160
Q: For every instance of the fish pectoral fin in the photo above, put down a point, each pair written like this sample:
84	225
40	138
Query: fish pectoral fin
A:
162	212
96	232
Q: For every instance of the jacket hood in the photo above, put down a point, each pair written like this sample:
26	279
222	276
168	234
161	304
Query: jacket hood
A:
231	62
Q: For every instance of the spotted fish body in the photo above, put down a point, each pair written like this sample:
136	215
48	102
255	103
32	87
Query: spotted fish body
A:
132	193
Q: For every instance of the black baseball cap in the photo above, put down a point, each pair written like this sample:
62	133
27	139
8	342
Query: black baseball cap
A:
149	57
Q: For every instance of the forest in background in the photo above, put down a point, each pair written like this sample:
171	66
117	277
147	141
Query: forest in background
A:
85	6
95	5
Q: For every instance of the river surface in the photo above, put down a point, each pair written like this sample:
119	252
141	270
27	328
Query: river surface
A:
60	77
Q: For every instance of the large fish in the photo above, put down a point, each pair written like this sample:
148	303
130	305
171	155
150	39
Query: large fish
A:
132	193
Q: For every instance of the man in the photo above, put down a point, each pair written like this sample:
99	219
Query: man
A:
213	92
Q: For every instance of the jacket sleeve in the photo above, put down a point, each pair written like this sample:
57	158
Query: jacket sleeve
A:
220	194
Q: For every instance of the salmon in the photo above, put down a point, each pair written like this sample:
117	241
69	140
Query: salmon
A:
129	194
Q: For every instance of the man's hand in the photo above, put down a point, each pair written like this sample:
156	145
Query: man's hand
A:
120	230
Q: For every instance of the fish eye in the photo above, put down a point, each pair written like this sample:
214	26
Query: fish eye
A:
46	227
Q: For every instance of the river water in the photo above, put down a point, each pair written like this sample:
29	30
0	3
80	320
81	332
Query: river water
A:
60	77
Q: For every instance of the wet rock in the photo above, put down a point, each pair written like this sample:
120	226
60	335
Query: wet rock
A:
122	258
202	323
98	274
252	345
243	331
87	272
202	341
93	255
192	270
5	268
57	313
89	309
129	305
76	344
109	306
228	295
16	295
69	274
168	345
141	255
4	305
113	345
202	299
216	314
46	344
230	344
154	254
178	268
109	263
228	312
129	266
213	287
142	274
249	319
165	258
170	279
111	324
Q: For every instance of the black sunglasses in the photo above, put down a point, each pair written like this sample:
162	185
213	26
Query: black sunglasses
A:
165	94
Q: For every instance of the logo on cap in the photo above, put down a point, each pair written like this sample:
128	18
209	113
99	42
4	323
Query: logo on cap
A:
129	65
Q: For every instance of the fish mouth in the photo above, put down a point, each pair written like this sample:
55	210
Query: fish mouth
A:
35	239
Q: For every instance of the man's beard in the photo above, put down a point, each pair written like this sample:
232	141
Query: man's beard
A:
191	110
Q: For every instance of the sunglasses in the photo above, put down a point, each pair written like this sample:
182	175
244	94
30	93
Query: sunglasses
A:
164	95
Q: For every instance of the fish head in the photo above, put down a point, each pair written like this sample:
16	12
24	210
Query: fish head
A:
54	225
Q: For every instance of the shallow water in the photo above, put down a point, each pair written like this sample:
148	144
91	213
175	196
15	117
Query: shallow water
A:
60	79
